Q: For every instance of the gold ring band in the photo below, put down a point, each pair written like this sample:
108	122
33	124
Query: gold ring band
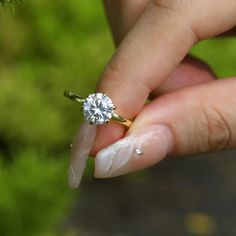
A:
98	108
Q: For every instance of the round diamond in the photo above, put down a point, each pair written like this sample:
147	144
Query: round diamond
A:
98	108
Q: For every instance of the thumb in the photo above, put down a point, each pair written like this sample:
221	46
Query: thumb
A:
199	119
146	56
151	51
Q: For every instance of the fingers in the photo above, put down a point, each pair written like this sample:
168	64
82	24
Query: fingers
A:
141	148
144	59
158	42
184	75
199	119
153	48
190	72
208	18
148	47
122	15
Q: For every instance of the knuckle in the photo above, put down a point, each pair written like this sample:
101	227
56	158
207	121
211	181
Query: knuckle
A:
182	12
169	5
218	133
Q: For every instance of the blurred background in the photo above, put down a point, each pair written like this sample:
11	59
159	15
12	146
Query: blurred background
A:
45	48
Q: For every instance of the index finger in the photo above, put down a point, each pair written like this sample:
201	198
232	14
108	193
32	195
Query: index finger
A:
149	53
143	60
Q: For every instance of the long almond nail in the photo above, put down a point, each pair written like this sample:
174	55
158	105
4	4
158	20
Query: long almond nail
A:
79	153
136	151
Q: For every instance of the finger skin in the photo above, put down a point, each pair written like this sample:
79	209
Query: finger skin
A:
194	120
202	118
189	73
125	77
122	15
157	44
149	53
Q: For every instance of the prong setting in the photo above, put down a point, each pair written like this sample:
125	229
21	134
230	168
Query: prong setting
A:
98	108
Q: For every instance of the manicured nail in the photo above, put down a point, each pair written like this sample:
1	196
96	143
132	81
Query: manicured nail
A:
134	152
79	153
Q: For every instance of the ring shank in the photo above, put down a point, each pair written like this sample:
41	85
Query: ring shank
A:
76	98
121	120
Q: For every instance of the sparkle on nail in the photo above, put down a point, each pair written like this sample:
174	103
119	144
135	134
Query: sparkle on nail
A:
98	108
139	151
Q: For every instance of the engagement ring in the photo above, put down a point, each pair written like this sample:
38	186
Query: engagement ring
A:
98	108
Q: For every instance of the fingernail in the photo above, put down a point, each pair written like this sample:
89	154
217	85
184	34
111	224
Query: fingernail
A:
79	153
140	149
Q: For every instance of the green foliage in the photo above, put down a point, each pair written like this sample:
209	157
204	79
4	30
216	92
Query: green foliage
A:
11	1
45	47
9	5
34	193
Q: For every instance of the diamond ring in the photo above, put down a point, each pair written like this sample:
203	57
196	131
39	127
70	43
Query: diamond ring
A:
98	108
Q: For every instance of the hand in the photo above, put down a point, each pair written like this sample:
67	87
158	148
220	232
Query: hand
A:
196	119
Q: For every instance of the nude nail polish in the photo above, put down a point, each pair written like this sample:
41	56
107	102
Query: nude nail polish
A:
79	153
138	150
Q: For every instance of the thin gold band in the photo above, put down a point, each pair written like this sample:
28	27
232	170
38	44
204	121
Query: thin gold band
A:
76	98
121	120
